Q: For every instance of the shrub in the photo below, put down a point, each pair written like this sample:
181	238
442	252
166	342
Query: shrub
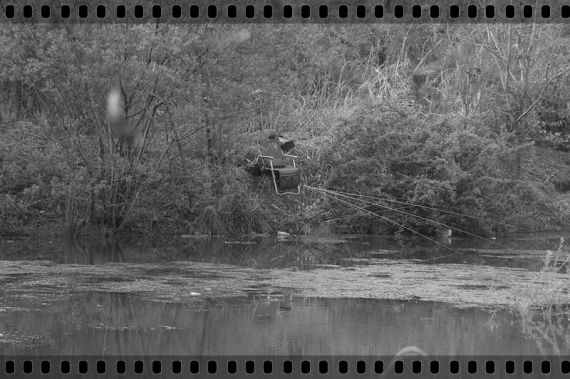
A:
396	153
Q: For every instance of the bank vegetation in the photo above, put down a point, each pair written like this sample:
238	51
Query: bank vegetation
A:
468	118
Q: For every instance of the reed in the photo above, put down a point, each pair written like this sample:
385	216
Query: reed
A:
545	303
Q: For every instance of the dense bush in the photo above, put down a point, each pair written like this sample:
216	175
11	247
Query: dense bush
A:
421	114
398	154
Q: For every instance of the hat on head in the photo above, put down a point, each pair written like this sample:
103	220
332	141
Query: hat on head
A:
272	134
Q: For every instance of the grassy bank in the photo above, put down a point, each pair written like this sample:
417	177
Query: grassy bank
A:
363	155
424	115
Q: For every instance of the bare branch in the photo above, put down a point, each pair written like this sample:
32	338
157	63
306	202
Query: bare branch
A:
541	93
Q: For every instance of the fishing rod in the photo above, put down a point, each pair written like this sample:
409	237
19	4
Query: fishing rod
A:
390	221
454	252
435	208
413	215
389	199
432	208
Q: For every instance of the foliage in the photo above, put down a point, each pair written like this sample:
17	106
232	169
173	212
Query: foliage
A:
399	154
442	115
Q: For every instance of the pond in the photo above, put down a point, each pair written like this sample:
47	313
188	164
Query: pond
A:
327	295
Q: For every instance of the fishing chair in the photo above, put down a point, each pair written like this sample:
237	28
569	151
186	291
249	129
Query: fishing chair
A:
284	176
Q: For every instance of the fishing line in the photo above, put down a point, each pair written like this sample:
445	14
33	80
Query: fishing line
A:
432	208
416	216
386	197
388	220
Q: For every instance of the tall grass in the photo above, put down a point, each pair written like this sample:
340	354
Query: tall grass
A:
544	306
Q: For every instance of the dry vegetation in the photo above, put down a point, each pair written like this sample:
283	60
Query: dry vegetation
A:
442	115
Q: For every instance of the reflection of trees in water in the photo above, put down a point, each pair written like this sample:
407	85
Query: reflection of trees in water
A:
549	324
91	251
268	307
272	253
259	253
273	322
268	253
549	328
111	323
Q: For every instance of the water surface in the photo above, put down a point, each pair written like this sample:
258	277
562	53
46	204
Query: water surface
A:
311	296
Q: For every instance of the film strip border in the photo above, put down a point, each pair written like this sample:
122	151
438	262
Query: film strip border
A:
283	11
286	367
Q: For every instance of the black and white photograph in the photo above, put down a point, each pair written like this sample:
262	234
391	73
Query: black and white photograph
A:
284	189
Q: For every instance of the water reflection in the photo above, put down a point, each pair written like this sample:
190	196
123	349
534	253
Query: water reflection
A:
258	252
78	312
549	328
299	253
262	324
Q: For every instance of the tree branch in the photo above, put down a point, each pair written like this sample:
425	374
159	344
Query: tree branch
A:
540	94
